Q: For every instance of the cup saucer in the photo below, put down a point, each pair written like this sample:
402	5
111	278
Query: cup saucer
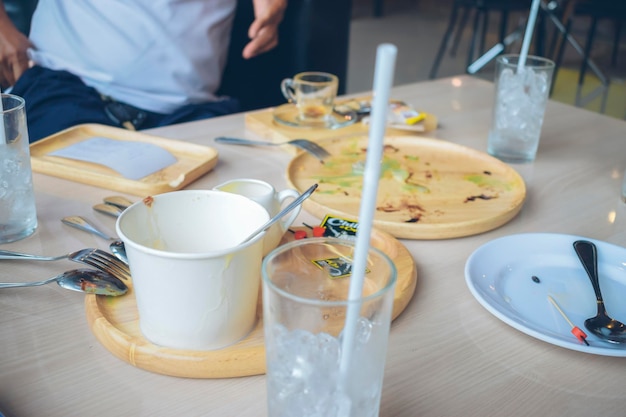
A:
287	114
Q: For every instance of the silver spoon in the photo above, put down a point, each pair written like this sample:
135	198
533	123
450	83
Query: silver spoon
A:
118	249
113	206
295	203
83	224
118	201
601	325
108	209
89	281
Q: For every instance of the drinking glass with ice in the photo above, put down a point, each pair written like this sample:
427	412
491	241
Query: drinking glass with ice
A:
519	107
305	301
18	216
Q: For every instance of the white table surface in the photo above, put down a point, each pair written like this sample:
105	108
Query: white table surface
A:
447	355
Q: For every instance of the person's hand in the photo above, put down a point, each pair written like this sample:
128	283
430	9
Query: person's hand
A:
263	32
13	56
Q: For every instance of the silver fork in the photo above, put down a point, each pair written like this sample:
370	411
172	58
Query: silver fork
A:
304	144
97	258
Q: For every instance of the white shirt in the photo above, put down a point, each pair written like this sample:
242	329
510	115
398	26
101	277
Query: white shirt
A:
157	55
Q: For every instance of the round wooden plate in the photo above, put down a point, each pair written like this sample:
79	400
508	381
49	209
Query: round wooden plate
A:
429	188
115	323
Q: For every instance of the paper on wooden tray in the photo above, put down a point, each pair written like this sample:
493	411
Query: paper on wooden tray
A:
134	160
192	161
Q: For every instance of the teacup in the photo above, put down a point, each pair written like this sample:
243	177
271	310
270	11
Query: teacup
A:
195	283
267	196
313	93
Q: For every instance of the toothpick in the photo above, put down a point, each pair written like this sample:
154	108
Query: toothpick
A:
576	331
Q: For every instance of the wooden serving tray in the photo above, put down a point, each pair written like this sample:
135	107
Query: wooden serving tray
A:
429	188
115	323
193	161
263	124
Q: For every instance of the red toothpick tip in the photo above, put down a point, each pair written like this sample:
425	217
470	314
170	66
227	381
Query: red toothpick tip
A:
580	335
576	331
299	234
319	231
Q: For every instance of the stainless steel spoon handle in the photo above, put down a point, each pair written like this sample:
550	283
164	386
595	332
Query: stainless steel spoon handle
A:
26	284
588	255
82	224
238	141
108	209
8	254
119	250
295	203
118	201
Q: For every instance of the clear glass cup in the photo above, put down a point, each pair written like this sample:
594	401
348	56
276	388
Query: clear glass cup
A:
314	95
18	214
305	302
519	107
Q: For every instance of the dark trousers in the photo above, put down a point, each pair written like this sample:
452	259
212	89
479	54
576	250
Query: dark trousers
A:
56	100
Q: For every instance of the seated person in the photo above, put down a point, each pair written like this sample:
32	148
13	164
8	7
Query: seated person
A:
131	63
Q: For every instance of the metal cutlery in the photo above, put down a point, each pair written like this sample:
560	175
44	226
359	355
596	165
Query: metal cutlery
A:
295	203
108	209
83	224
304	144
601	324
118	201
83	280
113	206
119	250
96	258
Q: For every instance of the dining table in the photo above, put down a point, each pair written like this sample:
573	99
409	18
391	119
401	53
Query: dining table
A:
447	354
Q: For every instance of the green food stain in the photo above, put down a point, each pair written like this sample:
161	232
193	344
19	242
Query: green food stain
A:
416	187
391	169
485	181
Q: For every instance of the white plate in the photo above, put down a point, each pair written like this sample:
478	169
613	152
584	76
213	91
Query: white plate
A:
499	274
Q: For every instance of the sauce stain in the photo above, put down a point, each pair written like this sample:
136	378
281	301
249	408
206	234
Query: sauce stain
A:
479	197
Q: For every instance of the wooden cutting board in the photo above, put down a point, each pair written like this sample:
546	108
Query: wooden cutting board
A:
192	161
115	323
429	188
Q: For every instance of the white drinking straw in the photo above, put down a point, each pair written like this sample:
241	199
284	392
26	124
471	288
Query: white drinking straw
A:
383	80
2	135
528	34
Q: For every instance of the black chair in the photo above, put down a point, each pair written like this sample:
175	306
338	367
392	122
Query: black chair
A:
314	36
481	10
595	11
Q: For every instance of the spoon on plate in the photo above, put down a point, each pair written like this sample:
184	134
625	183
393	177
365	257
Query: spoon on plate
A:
601	325
89	281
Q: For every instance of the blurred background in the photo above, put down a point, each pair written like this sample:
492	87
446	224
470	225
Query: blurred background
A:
417	28
318	34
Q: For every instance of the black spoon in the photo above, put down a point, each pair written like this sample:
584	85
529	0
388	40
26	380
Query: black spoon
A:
601	325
